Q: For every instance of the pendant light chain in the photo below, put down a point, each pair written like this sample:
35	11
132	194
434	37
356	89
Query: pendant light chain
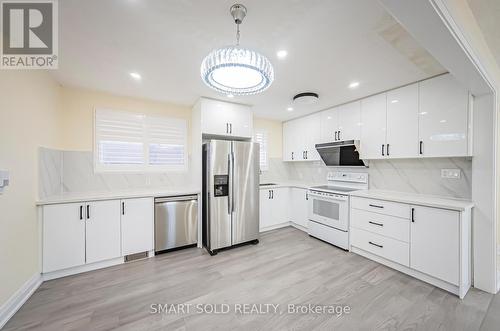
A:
237	34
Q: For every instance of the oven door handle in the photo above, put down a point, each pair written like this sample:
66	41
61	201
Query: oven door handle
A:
325	198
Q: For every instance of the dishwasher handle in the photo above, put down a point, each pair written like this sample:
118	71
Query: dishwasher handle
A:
179	198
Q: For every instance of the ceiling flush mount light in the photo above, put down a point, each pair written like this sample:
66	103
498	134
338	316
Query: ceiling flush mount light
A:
230	96
281	54
135	76
236	70
354	85
289	109
306	98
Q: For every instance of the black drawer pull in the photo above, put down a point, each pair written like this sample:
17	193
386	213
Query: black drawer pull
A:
375	206
375	223
379	246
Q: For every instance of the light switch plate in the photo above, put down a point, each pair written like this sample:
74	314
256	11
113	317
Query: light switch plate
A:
450	173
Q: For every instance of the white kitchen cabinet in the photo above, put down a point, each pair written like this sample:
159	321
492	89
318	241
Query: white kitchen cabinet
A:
137	225
273	208
329	125
300	137
349	117
435	243
373	127
225	118
102	233
402	122
300	206
63	236
341	123
443	118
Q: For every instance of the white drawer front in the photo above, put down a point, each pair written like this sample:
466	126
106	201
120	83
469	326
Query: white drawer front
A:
385	247
328	234
382	207
385	225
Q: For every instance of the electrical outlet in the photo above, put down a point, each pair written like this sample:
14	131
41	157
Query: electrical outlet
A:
450	173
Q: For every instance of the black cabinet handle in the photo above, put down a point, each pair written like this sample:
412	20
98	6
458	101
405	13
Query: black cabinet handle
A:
307	196
269	197
336	135
306	155
375	206
227	127
421	144
272	194
383	150
339	135
81	212
88	211
387	149
231	128
123	208
375	223
413	215
372	243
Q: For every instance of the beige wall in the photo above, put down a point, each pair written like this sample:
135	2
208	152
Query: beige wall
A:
29	117
78	109
275	136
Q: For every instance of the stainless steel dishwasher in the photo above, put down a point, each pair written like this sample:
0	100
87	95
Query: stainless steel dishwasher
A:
176	222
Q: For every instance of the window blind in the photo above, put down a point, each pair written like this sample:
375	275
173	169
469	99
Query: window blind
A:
126	141
261	138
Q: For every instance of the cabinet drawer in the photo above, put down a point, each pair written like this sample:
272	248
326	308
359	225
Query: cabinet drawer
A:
385	247
385	225
382	207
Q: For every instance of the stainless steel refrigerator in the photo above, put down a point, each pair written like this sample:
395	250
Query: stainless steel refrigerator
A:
230	194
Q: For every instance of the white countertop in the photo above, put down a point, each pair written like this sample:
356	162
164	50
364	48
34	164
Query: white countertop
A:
416	199
112	195
297	184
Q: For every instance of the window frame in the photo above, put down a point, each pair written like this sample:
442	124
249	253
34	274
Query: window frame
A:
265	134
144	167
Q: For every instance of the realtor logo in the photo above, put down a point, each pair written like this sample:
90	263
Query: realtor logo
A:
29	34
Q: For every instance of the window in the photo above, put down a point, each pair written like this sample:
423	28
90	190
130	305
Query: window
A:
135	142
260	136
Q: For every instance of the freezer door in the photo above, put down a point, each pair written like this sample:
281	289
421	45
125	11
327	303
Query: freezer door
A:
245	191
217	177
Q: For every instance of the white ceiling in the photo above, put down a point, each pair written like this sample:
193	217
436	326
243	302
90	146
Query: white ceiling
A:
330	43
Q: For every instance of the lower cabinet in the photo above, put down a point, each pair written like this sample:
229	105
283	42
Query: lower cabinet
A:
273	207
102	231
137	225
300	206
432	244
75	234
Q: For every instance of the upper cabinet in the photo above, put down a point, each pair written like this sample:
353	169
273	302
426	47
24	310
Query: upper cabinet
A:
443	118
341	123
402	122
373	127
225	118
300	137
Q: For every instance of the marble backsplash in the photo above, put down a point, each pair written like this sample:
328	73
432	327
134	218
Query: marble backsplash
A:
72	171
406	175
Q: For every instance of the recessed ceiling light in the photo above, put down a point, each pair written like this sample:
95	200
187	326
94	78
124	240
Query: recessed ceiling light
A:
442	121
230	96
135	76
423	113
281	54
354	85
289	109
394	101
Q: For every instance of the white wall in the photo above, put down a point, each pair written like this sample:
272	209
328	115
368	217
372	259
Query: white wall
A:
29	117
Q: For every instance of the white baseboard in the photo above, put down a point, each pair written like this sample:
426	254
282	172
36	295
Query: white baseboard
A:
12	305
83	268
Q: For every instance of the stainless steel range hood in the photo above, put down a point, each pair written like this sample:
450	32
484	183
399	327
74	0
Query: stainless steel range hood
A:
341	153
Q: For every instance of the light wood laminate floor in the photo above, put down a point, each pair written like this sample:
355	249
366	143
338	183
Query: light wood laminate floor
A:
287	267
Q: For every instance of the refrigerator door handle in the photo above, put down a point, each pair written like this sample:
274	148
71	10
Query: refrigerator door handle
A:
232	180
230	183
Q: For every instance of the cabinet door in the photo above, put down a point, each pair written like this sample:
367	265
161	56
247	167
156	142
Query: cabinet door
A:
373	126
310	134
434	243
214	117
265	209
63	236
329	125
402	122
279	205
349	118
240	121
443	117
102	230
300	206
137	225
288	141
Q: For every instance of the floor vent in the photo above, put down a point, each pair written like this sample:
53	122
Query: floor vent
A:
137	256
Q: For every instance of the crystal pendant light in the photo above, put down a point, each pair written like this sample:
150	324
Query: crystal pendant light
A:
236	70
